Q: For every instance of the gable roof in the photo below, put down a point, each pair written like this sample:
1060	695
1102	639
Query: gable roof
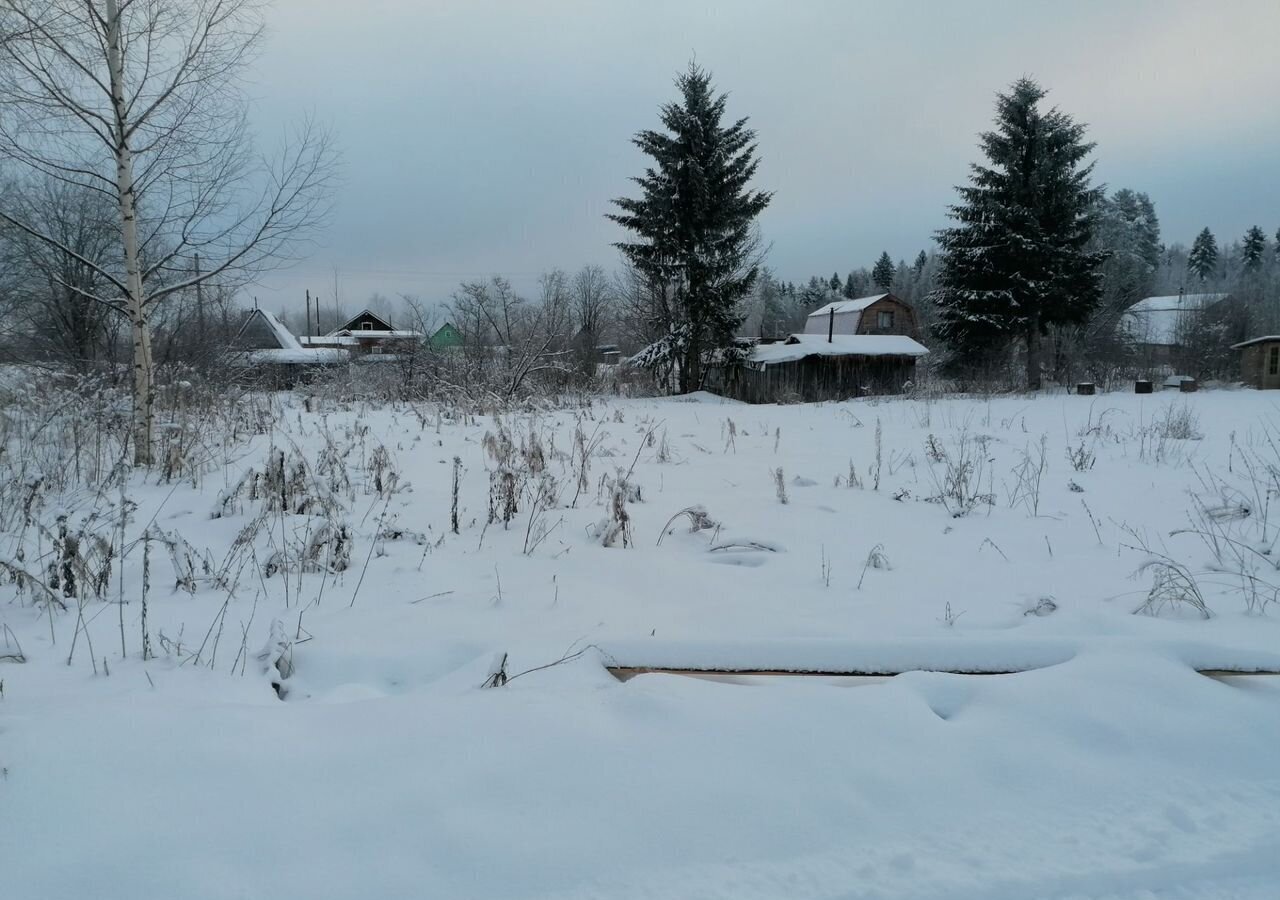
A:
1156	320
348	325
798	346
284	338
848	306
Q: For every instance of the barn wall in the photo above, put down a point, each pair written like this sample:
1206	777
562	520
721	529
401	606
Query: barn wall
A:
817	378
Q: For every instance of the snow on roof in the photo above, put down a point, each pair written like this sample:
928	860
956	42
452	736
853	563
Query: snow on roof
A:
1156	320
1178	302
847	306
1265	339
283	335
296	356
798	346
351	337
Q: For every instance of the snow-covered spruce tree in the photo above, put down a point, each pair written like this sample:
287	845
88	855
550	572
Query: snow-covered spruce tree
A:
882	274
694	224
1202	262
850	289
1017	261
1254	249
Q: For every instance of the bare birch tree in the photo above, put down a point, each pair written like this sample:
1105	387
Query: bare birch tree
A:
591	307
140	101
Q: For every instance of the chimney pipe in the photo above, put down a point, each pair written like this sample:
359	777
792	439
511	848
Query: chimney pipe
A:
831	325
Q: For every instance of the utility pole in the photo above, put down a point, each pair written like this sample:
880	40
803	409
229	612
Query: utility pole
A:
200	304
308	329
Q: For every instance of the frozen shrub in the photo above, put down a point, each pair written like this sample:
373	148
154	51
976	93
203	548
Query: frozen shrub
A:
779	484
958	475
1172	587
1178	423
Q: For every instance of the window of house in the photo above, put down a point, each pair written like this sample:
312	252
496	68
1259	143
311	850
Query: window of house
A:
366	326
1273	361
884	319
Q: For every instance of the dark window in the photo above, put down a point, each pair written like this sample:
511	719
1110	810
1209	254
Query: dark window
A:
884	319
367	326
1273	364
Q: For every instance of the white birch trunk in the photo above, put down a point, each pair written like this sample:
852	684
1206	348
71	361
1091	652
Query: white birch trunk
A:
143	387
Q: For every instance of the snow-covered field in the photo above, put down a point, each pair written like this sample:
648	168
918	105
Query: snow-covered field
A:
1004	532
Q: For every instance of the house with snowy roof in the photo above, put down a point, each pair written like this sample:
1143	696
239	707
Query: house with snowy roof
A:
367	333
877	314
1158	326
264	344
849	348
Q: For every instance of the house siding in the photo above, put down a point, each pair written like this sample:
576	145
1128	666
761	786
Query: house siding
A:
1254	368
904	318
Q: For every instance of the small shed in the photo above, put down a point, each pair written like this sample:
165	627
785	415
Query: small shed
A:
810	367
1260	361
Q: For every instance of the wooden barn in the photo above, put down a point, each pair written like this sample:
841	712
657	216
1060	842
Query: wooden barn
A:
809	367
850	348
1260	362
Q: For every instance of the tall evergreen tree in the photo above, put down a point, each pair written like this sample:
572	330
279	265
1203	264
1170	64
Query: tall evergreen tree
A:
1254	248
834	283
1203	259
922	260
1018	259
882	274
850	287
693	223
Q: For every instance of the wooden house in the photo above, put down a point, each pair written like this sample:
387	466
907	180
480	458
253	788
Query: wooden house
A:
446	337
1260	362
367	334
877	314
850	348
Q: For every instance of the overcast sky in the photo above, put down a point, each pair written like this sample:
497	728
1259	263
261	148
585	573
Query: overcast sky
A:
487	138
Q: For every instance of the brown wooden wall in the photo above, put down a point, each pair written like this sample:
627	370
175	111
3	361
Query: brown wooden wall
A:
817	378
904	318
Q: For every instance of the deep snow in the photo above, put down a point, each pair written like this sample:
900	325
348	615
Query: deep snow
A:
1114	772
